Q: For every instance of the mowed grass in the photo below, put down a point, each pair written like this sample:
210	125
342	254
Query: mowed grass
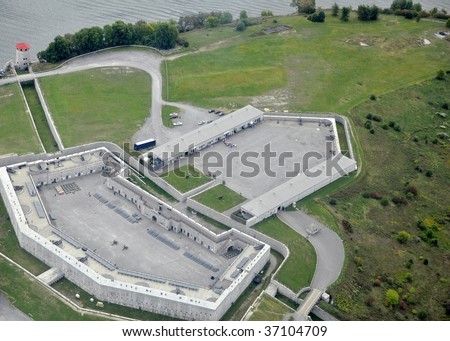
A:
394	160
104	104
220	198
39	118
185	178
269	309
298	270
166	111
313	67
16	132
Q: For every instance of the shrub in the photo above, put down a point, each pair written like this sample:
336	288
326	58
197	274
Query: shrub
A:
445	106
385	126
373	97
369	116
241	27
347	226
366	195
440	75
408	265
345	13
429	174
399	200
335	10
377	118
391	124
423	315
384	202
368	125
333	202
243	15
266	13
403	305
397	128
403	237
387	11
377	282
317	17
410	14
412	189
375	195
370	300
372	131
392	298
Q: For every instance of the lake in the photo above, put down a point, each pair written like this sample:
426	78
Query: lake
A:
38	22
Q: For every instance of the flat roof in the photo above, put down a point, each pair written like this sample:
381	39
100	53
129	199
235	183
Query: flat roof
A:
299	184
208	132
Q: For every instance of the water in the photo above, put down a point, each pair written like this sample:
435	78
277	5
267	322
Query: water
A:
38	22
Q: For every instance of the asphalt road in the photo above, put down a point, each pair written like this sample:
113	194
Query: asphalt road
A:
9	312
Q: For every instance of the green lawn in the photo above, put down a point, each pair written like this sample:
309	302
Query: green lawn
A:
186	178
166	111
298	270
313	67
149	186
16	131
269	309
105	104
39	118
220	198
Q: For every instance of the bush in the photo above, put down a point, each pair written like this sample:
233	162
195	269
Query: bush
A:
392	298
403	237
317	17
347	226
243	15
366	195
397	128
410	14
368	13
445	106
384	202
369	116
391	124
373	97
375	195
335	10
345	14
370	300
266	13
385	126
440	75
368	125
241	26
377	118
412	189
429	174
423	315
333	202
372	131
387	11
399	200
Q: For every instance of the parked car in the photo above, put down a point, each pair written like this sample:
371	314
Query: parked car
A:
200	123
174	115
221	113
211	111
176	124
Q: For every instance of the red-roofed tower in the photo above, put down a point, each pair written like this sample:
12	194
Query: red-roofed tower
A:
22	56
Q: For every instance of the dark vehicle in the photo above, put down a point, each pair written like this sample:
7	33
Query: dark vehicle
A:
145	144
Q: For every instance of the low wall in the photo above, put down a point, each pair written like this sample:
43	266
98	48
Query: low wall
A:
48	115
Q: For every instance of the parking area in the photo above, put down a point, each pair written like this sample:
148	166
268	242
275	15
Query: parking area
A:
261	158
103	229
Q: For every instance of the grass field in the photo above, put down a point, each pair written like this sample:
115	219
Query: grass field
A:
269	309
16	132
413	160
39	118
298	270
219	198
105	104
312	67
166	111
149	186
185	178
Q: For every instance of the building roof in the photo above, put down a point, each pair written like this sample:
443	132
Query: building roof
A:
208	132
302	183
23	46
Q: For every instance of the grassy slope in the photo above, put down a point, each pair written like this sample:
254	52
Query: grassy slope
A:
298	271
39	118
166	111
211	199
315	66
269	309
106	104
16	132
177	178
392	161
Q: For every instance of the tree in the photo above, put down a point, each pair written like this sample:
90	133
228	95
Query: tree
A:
368	13
243	15
392	298
345	13
212	21
317	17
59	49
166	35
304	6
241	26
403	237
335	10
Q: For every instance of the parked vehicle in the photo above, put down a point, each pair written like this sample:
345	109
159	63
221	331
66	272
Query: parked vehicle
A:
150	143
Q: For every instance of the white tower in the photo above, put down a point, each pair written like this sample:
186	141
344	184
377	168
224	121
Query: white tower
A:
22	56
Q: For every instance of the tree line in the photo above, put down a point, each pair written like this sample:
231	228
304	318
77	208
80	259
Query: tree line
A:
161	35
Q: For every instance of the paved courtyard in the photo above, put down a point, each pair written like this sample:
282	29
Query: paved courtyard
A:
106	232
245	169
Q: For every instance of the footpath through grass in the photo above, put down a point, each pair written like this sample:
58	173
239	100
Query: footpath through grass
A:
186	178
16	131
298	270
269	309
312	67
220	198
104	104
39	118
